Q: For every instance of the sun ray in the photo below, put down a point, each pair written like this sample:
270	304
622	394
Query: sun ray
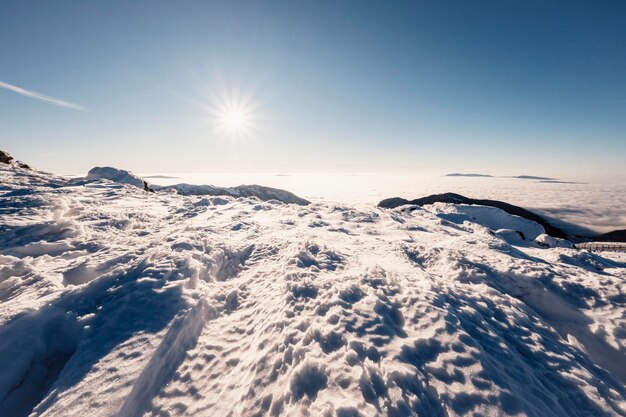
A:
233	114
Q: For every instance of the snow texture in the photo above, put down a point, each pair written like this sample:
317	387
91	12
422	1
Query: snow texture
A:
115	302
491	217
125	177
114	174
259	191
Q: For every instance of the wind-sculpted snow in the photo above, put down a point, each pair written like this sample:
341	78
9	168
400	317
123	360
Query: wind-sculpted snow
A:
118	302
114	174
258	191
121	176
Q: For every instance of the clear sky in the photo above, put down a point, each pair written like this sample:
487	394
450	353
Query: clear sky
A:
503	87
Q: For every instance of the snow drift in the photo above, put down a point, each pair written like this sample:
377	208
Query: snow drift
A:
258	191
114	174
459	199
115	302
125	177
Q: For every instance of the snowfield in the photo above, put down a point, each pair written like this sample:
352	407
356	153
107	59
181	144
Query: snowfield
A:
119	302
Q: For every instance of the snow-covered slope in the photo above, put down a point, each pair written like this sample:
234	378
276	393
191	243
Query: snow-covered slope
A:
118	302
258	191
126	177
491	217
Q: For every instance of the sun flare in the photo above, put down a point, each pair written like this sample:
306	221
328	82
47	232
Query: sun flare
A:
234	115
235	120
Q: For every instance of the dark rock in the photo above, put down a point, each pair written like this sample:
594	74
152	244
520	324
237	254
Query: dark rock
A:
614	236
5	157
453	198
146	188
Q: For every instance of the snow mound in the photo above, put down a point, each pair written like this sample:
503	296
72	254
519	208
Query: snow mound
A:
490	217
114	174
553	242
453	198
121	303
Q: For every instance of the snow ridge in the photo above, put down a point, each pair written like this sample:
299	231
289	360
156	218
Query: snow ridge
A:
114	174
126	177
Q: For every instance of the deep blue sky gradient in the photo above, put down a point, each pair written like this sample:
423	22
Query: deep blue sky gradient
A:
504	87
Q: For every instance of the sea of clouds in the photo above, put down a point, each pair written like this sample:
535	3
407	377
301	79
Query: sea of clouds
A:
581	208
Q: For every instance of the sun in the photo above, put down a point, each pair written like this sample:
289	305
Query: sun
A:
235	121
234	114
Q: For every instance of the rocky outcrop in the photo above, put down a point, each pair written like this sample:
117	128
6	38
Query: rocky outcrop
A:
5	158
453	198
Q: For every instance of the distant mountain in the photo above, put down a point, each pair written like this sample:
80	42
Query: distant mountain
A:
533	177
453	198
519	177
560	182
458	174
160	176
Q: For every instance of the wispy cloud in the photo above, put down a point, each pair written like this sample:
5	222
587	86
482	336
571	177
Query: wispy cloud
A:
41	97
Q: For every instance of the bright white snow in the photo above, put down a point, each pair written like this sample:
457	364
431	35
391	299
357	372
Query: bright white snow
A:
114	174
114	301
125	177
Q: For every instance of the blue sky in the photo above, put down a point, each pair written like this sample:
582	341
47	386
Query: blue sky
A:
502	87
